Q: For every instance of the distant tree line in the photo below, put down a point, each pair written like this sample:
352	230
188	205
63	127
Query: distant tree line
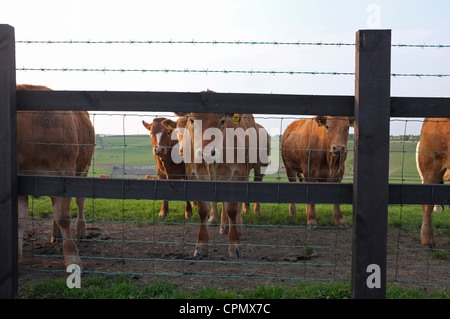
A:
410	138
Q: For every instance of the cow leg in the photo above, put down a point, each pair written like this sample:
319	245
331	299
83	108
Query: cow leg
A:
311	216
426	232
292	177
338	217
56	231
22	211
224	222
164	209
61	216
433	176
213	214
233	211
292	209
201	249
257	178
187	210
81	220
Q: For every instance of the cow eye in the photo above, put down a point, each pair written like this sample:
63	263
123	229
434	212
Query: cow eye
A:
327	127
192	121
222	122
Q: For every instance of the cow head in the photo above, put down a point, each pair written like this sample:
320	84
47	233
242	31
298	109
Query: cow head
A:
206	131
337	128
181	126
161	135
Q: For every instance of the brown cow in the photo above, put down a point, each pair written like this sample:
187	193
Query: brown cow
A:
446	176
166	168
214	213
57	143
433	160
314	150
257	168
261	165
208	162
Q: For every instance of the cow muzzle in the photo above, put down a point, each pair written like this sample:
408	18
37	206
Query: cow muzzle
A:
160	151
338	149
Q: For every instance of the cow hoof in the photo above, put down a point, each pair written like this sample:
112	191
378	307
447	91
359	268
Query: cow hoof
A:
81	235
200	253
73	261
235	252
212	221
342	226
162	214
430	246
313	227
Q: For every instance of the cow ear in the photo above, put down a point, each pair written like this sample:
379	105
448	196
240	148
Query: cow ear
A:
147	125
235	117
321	120
169	124
181	121
352	121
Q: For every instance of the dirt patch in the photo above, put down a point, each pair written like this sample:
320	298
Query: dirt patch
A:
274	255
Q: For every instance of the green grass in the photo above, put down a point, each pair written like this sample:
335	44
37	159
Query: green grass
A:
125	287
146	211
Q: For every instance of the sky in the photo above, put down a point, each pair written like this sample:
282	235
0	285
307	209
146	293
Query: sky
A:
415	22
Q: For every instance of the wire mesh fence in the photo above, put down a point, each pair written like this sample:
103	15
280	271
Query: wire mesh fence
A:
129	236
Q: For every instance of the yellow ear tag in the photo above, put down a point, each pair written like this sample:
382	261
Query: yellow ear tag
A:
236	118
170	127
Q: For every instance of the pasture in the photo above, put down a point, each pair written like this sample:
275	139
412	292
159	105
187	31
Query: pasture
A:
135	151
126	237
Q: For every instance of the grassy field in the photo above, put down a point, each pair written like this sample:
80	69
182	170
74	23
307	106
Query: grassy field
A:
135	150
119	151
123	287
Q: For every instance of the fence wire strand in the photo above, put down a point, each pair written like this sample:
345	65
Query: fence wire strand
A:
214	42
206	71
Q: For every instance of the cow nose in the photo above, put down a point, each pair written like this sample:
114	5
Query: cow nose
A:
338	149
209	154
160	151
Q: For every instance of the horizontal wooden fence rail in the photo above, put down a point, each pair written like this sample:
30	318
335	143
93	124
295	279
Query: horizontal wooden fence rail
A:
254	192
186	102
339	105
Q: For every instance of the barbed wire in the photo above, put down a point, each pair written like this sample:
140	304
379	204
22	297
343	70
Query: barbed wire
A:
194	42
214	42
206	71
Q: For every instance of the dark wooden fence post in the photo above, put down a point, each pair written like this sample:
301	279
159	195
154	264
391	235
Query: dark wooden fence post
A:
8	165
371	166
